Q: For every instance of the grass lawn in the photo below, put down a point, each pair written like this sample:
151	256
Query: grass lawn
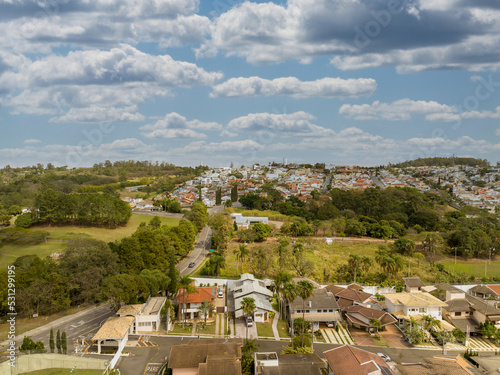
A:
208	330
104	234
265	330
10	252
63	371
27	324
319	338
283	329
473	268
188	328
380	341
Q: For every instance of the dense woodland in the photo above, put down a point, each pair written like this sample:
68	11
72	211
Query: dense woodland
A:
443	162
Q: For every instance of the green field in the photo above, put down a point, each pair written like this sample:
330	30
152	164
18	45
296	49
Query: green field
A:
104	234
63	371
473	268
10	252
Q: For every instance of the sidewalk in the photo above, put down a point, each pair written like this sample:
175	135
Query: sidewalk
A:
275	326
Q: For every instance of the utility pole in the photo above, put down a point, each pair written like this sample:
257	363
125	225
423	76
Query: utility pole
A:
455	256
408	265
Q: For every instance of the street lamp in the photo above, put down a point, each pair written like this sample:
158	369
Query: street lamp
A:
455	256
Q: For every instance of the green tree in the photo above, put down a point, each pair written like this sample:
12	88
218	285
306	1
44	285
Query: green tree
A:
234	193
304	290
205	309
58	342
51	341
186	287
218	196
64	343
248	306
354	262
375	323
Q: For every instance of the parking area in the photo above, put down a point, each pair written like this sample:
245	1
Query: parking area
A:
241	329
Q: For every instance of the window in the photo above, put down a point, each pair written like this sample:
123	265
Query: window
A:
144	324
422	310
458	313
330	310
307	311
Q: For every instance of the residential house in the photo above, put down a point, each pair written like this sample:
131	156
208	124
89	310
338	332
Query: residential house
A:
413	284
483	310
460	313
249	286
244	222
271	363
403	305
206	357
439	365
321	307
485	291
350	296
349	360
361	317
190	302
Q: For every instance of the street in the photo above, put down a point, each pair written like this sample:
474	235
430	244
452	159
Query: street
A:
201	248
82	325
143	357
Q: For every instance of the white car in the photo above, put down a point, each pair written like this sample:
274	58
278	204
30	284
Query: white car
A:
220	294
249	321
385	357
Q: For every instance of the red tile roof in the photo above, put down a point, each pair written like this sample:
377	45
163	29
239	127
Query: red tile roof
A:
348	360
495	288
200	295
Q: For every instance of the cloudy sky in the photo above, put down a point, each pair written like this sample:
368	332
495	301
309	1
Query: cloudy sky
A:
218	81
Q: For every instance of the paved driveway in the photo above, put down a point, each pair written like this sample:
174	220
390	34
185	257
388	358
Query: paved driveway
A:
394	337
241	329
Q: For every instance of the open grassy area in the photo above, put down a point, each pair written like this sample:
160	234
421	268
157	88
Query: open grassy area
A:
208	330
104	234
265	329
188	328
10	252
324	256
27	324
63	371
283	329
473	268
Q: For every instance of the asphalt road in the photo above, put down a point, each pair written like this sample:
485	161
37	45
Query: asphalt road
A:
83	325
201	248
144	360
199	253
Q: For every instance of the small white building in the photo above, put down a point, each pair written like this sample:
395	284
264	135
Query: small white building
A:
245	221
249	286
147	315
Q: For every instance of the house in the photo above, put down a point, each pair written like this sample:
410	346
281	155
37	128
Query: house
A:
348	360
439	365
403	305
484	310
361	317
485	291
190	302
460	313
321	307
206	357
147	316
271	363
249	286
350	296
413	284
446	292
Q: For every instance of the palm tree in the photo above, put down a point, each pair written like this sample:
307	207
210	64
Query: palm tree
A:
281	278
204	309
281	250
248	306
380	254
431	322
354	262
366	263
304	290
399	263
240	253
375	323
186	287
290	294
220	262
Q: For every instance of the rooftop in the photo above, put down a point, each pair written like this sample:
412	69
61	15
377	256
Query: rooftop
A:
116	327
413	281
348	360
414	299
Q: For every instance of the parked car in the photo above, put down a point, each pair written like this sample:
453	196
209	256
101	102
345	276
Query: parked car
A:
330	324
385	357
249	321
220	294
192	264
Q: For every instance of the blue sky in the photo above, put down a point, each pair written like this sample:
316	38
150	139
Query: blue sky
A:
362	82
